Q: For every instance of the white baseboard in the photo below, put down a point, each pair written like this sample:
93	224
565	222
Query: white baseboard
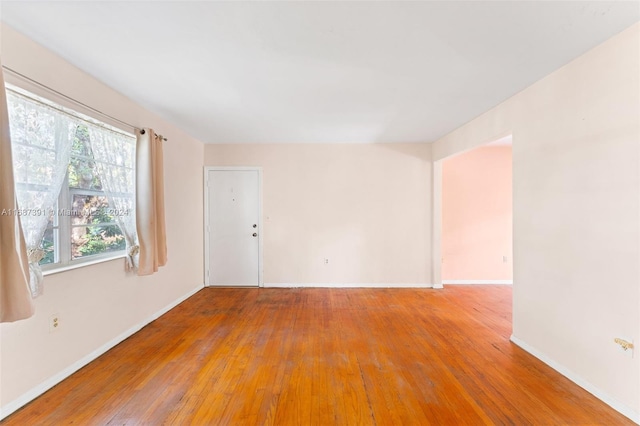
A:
35	392
455	282
348	285
604	397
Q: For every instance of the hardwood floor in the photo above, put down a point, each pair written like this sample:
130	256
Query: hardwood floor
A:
323	356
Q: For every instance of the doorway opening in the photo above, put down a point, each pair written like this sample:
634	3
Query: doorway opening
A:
477	215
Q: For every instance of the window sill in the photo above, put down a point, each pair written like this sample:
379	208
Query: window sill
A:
65	268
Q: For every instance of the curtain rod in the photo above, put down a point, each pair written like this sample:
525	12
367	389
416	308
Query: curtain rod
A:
142	132
75	101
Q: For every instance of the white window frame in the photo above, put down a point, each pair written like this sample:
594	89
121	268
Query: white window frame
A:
62	225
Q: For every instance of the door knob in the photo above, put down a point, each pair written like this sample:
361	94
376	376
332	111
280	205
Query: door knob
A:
255	234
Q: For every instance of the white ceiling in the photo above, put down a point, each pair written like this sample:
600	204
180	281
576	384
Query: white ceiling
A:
259	72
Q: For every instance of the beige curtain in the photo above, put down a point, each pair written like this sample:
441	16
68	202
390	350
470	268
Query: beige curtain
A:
15	297
152	237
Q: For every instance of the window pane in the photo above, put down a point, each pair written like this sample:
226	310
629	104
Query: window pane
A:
87	209
50	240
95	239
48	245
93	230
82	174
33	164
80	144
33	126
82	167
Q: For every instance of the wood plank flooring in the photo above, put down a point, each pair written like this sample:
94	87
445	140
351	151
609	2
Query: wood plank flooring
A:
323	357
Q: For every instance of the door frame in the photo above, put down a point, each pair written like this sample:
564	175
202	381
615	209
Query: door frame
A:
206	229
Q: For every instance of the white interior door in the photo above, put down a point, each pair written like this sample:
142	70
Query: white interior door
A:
233	227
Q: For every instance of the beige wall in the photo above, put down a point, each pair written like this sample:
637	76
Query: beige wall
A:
576	135
364	207
98	303
476	215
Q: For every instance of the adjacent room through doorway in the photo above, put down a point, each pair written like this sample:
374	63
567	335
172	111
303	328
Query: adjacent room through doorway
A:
477	215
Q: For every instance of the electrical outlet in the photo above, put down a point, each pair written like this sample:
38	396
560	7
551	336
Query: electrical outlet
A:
54	323
326	261
504	259
625	346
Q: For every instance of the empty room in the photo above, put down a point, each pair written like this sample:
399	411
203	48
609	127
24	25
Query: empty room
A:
319	212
